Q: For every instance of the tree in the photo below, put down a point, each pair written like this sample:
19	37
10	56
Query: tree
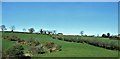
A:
97	35
24	29
3	27
41	31
12	28
49	32
44	32
31	30
82	32
104	35
54	31
108	35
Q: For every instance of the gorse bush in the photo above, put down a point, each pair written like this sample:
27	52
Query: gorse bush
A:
15	52
11	37
112	45
33	42
37	49
51	46
26	48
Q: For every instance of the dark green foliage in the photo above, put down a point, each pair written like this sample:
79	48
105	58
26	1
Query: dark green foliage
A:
53	47
5	36
49	45
104	35
53	37
12	28
80	40
107	45
41	50
10	37
41	31
37	49
60	38
15	51
82	32
31	30
14	38
108	35
33	42
3	27
114	38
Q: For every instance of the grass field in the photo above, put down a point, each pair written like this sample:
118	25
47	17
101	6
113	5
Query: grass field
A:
69	49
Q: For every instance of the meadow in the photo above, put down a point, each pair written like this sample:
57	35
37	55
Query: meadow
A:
69	49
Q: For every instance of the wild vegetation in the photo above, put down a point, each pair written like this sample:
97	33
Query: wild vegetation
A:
19	49
107	43
17	45
35	45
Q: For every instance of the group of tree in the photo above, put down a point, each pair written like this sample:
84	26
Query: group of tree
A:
106	35
82	32
47	32
3	28
31	30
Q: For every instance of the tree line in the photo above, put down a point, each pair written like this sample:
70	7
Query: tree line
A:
31	30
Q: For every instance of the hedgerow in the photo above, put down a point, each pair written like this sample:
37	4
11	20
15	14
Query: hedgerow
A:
112	45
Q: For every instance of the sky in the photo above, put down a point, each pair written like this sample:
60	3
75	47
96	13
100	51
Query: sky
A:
60	0
65	17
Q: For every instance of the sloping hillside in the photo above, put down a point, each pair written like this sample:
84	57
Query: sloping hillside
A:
69	49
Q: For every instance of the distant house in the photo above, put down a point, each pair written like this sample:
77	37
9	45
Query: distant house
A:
60	34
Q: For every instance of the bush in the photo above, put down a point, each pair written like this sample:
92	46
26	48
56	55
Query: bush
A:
49	45
5	36
53	47
37	49
15	51
33	42
60	38
13	38
82	41
10	37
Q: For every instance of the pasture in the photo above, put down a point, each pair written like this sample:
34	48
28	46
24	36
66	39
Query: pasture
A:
69	49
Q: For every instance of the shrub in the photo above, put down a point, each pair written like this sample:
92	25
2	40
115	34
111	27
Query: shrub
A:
37	49
113	45
15	51
81	40
60	38
54	37
33	42
49	45
5	36
108	45
53	47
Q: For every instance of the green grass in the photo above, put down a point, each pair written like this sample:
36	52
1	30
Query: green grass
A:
69	49
99	39
7	44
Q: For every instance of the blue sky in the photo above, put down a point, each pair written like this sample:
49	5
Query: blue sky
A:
60	0
66	17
